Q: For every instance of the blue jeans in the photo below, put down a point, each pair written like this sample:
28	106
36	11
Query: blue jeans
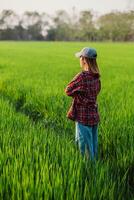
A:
87	136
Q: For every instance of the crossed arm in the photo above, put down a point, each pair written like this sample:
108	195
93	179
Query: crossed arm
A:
76	89
75	86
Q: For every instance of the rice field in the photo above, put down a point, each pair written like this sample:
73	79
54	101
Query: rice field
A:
38	155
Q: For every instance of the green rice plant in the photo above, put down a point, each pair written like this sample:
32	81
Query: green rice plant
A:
38	156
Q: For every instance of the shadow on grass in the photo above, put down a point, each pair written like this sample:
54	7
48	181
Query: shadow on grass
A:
46	111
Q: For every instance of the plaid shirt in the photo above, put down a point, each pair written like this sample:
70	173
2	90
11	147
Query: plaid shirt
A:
84	88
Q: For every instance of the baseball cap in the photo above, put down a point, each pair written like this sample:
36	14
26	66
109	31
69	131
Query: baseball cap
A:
87	52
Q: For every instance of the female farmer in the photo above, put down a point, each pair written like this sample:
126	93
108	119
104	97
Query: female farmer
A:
84	88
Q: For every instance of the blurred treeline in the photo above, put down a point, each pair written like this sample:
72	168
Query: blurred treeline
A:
82	26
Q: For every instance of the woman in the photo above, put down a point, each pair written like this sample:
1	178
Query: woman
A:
84	88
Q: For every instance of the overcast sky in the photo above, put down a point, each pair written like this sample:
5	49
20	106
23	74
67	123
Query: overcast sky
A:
50	6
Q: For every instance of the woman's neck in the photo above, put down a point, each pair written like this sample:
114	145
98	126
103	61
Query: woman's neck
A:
86	68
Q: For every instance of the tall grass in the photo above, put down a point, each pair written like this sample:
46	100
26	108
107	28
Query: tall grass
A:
38	156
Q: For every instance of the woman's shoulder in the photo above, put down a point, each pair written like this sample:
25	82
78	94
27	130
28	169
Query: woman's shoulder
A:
78	75
90	74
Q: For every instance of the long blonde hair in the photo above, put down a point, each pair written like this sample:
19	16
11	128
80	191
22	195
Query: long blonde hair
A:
92	64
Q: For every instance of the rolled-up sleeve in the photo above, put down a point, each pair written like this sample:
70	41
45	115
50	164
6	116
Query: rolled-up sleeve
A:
76	85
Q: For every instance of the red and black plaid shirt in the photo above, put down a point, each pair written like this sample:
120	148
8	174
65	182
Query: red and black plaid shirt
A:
84	88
